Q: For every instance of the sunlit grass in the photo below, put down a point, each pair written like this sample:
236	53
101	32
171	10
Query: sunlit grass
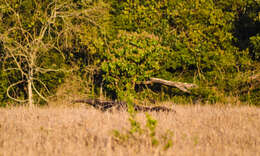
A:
196	130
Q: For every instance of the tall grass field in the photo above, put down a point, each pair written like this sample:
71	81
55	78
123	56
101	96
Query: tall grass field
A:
192	130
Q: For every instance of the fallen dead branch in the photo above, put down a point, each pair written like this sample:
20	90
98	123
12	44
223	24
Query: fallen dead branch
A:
180	85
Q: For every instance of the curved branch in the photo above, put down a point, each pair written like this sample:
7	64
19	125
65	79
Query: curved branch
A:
58	49
42	84
38	93
18	64
19	22
12	85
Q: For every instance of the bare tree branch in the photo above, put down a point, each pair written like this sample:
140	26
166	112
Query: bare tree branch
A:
182	86
25	49
42	70
9	69
38	93
11	86
46	88
19	66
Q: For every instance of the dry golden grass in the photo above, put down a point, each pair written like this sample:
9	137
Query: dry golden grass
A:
197	130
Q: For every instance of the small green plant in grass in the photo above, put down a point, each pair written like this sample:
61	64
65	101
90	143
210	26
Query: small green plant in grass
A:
135	125
151	125
167	138
136	131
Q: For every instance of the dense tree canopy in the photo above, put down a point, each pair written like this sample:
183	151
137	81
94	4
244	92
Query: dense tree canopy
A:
118	44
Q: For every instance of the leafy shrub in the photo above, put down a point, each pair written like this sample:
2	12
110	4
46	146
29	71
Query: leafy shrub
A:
255	46
132	58
198	37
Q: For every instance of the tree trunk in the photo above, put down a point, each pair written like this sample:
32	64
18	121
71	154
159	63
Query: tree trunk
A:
30	93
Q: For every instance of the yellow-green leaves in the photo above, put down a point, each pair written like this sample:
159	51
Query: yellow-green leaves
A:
134	57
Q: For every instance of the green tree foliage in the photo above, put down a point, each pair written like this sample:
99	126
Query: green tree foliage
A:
247	26
30	32
119	43
37	37
3	79
198	34
132	58
255	45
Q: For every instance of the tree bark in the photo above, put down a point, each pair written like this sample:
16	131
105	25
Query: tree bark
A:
182	86
30	92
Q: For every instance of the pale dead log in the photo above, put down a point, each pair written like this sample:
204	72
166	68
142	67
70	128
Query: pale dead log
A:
180	85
